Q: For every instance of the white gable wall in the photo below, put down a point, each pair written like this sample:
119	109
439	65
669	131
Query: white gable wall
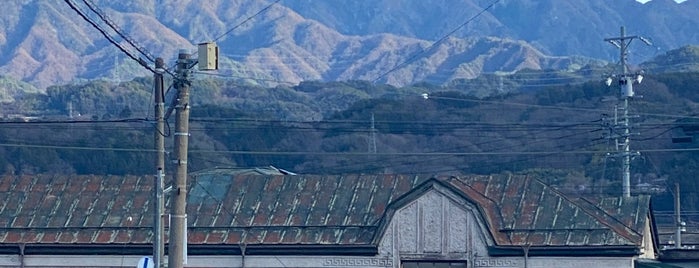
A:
436	225
442	226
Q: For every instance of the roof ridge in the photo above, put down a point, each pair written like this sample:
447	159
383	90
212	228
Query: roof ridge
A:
456	178
611	216
490	218
631	237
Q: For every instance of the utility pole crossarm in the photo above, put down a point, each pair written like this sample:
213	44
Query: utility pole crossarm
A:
622	38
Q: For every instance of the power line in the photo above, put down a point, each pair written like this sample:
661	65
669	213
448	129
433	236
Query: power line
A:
414	56
352	125
309	153
246	20
108	37
52	122
389	162
80	148
116	29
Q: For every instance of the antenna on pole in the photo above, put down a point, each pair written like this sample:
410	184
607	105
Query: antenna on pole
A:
625	81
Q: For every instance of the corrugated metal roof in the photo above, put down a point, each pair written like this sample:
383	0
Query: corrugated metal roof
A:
230	208
525	211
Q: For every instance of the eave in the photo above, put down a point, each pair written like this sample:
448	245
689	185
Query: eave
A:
564	251
218	249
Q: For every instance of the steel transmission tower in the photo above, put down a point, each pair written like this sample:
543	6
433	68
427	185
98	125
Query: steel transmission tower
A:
625	80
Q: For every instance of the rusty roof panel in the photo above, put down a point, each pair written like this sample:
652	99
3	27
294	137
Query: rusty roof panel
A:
535	238
233	236
342	201
599	237
216	237
549	214
403	184
615	223
290	236
306	209
226	214
362	201
269	201
23	183
528	204
578	238
282	210
197	237
272	237
67	237
49	237
7	183
384	189
559	237
632	211
324	189
566	216
541	213
13	237
308	236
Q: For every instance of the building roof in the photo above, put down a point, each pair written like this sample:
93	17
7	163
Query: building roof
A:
231	208
524	211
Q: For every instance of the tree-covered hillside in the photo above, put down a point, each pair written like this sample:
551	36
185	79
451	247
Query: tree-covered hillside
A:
556	129
555	124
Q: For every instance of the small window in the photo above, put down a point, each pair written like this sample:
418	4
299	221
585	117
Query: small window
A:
433	264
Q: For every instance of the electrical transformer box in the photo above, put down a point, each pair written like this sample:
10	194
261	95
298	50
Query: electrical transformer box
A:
208	56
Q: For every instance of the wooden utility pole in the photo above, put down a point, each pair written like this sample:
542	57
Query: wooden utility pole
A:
159	208
178	217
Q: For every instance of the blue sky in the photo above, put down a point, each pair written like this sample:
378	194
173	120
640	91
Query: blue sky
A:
643	1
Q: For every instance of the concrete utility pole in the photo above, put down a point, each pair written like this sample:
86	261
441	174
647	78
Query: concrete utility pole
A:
626	89
178	217
678	219
159	208
372	142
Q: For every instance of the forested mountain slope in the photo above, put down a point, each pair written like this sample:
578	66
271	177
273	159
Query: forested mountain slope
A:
44	42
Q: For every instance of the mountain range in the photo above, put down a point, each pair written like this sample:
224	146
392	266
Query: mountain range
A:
398	42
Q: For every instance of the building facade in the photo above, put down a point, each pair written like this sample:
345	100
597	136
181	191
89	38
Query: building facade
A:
314	221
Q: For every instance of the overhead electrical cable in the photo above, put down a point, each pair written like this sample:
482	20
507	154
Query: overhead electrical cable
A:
419	53
109	37
362	154
388	163
246	20
116	29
